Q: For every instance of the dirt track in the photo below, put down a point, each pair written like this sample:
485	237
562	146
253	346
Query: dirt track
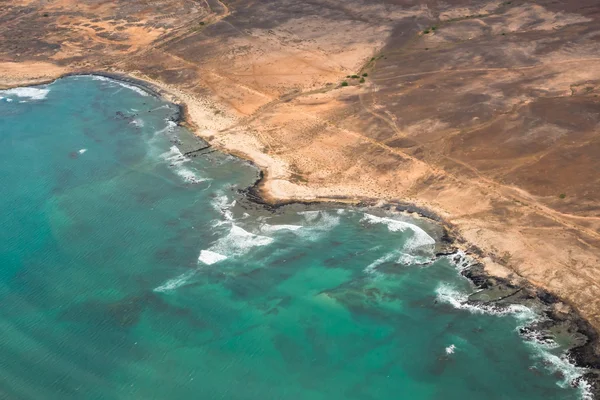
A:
492	119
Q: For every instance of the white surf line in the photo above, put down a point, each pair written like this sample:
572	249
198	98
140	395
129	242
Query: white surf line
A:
176	282
32	93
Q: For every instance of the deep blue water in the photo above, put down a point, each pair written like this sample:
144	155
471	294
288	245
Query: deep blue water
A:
128	271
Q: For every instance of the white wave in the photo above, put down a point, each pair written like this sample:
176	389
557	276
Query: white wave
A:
410	259
174	156
223	206
175	282
450	349
420	240
210	257
267	228
135	88
310	215
449	295
318	223
138	122
176	159
572	374
167	129
371	268
190	176
27	92
9	100
81	151
238	241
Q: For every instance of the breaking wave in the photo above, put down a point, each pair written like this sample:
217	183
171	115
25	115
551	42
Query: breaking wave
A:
571	374
238	241
210	257
31	93
175	282
176	159
136	89
420	240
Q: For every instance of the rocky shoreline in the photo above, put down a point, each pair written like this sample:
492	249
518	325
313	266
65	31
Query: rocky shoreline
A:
492	293
559	318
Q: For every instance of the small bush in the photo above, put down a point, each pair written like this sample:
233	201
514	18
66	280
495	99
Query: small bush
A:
45	14
362	80
202	22
355	77
562	195
372	58
426	31
348	76
365	74
344	83
433	28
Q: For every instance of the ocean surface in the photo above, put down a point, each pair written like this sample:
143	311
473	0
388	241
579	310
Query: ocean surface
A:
130	271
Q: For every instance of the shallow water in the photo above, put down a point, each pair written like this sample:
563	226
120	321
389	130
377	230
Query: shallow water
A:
132	272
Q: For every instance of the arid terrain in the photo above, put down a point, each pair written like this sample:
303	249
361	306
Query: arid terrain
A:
485	112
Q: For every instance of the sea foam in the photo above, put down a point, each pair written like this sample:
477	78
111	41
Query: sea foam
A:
238	241
420	240
27	92
136	89
175	282
176	159
572	375
210	257
450	349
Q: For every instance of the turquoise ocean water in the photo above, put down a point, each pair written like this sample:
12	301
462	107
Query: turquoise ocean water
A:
128	271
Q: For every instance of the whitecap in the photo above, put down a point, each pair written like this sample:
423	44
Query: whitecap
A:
175	282
138	122
450	349
135	88
572	374
420	240
318	223
189	176
176	159
174	156
371	268
223	206
81	151
27	92
238	241
267	228
210	257
447	294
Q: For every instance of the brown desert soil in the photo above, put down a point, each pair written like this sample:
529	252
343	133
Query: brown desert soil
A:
483	113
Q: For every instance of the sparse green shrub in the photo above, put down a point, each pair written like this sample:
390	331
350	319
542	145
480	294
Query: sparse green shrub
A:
344	83
562	195
362	80
365	74
45	14
433	28
355	77
201	22
372	58
348	76
426	31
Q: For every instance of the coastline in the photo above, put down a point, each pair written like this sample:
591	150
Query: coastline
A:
559	312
